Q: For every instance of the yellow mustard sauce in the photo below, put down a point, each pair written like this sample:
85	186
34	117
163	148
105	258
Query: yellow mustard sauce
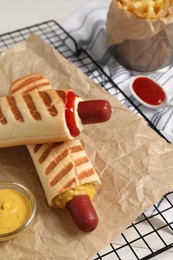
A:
15	208
84	189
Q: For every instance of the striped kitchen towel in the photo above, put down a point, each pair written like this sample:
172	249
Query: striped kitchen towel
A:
87	26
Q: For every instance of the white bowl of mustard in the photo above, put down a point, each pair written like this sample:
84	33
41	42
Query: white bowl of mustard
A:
17	209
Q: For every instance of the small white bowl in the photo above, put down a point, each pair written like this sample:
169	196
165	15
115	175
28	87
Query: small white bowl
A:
29	195
164	103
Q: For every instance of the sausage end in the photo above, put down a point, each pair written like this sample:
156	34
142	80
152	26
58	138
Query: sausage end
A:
83	213
94	111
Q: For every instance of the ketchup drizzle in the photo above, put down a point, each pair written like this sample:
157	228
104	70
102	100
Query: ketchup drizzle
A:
70	115
149	91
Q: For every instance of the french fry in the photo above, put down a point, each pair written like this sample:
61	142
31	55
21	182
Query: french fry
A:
147	9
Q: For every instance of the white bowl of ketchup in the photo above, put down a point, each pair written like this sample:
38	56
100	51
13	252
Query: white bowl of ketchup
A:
149	93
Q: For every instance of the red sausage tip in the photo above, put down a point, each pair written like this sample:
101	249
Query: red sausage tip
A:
94	111
83	213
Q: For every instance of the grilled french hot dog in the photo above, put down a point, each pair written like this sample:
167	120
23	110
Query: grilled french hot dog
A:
66	173
38	117
55	114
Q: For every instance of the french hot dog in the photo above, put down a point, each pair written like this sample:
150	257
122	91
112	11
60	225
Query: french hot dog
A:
73	186
56	115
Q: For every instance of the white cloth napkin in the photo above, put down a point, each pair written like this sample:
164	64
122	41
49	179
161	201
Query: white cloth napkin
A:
87	26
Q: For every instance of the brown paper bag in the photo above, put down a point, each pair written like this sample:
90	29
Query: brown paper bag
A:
140	44
134	163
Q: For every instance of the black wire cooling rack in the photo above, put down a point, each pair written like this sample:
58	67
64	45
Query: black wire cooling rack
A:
154	228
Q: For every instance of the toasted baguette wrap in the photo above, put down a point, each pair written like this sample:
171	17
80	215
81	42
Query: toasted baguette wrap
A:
35	117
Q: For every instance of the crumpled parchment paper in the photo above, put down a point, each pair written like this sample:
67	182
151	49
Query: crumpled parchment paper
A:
132	160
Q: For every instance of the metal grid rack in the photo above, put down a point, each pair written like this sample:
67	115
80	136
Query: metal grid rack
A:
153	225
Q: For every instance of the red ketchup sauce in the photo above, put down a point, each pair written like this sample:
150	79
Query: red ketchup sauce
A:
70	115
149	91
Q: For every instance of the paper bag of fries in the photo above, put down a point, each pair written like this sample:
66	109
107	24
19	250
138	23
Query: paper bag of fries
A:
142	32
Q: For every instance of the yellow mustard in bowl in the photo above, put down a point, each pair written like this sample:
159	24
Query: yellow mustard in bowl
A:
15	209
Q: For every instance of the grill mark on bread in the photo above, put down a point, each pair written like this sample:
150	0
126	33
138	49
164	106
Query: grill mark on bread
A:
37	147
48	103
54	163
3	120
31	106
68	185
86	173
80	161
61	94
76	148
27	80
47	151
61	174
14	109
37	86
